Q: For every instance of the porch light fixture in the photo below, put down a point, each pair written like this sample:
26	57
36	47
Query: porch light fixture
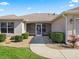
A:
71	21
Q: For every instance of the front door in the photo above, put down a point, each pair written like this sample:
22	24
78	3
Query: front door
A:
38	29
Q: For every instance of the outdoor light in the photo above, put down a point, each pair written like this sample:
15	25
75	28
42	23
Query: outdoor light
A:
71	21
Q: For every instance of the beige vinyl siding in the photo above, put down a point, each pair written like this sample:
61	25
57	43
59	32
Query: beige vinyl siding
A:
58	25
18	27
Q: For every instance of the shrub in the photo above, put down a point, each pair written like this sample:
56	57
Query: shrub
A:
17	38
49	35
25	35
2	37
57	37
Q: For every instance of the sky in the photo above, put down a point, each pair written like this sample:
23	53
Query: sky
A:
24	7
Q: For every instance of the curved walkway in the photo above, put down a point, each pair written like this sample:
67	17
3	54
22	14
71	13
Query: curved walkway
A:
38	46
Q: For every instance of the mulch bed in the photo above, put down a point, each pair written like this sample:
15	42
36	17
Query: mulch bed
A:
24	43
53	45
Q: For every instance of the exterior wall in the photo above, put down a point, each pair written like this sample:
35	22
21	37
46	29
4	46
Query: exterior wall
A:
69	27
58	25
18	27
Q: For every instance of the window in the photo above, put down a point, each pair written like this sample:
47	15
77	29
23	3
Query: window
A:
10	30
3	27
10	24
3	30
43	28
10	27
7	27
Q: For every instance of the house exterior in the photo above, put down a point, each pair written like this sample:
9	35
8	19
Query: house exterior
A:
35	24
40	24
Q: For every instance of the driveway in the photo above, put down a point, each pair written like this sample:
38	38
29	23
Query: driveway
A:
38	46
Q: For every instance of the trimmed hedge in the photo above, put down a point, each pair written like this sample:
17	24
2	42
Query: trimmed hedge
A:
25	35
17	38
49	35
57	37
2	37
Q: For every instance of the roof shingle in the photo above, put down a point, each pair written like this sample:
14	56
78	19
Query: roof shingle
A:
38	17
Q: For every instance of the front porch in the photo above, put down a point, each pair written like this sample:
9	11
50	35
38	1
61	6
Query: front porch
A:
72	28
37	29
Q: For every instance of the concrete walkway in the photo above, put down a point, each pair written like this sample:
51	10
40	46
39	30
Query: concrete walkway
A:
38	46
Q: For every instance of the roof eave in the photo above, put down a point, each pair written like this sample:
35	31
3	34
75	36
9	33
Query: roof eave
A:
70	13
11	19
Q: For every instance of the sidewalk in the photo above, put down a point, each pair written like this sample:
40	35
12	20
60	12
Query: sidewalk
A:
38	46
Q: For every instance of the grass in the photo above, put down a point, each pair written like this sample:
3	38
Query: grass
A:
18	53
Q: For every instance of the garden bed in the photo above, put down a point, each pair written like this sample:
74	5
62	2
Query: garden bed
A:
24	43
54	45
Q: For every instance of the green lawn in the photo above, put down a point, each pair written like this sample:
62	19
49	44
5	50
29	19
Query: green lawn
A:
17	53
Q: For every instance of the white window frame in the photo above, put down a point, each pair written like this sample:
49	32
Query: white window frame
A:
9	27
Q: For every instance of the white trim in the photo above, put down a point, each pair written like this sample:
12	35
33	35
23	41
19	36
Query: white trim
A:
76	18
25	27
76	25
6	27
66	29
41	30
